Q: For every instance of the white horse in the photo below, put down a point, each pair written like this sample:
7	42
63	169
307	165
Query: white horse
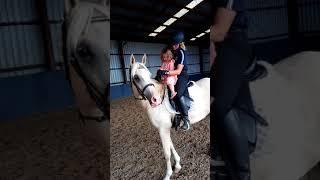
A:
288	98
154	99
87	56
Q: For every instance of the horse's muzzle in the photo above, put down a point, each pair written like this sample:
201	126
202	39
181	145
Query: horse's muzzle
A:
155	101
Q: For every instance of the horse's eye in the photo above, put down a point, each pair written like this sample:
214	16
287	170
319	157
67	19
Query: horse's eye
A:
136	78
83	51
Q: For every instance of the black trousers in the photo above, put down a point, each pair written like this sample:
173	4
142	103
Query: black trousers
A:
182	84
229	90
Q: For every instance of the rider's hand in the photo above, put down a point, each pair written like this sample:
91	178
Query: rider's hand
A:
163	72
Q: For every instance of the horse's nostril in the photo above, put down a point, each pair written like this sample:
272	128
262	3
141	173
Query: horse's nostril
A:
153	99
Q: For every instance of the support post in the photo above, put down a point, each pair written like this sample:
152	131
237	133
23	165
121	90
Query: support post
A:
293	23
45	27
201	59
122	61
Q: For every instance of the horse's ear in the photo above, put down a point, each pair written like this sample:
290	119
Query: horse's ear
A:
132	59
144	59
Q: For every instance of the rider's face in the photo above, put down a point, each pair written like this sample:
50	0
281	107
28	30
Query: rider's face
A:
175	46
167	56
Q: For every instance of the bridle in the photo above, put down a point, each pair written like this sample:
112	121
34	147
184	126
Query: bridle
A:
96	95
141	91
100	98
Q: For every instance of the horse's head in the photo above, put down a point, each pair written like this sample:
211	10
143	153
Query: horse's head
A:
143	86
87	38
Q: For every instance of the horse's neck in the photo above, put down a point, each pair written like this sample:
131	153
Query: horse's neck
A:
159	87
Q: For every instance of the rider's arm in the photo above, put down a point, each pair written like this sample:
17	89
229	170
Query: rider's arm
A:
180	61
176	71
223	18
213	53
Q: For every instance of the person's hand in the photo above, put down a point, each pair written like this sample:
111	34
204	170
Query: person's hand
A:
213	53
163	72
211	33
158	76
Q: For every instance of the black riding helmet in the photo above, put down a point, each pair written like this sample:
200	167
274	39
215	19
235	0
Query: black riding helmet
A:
177	37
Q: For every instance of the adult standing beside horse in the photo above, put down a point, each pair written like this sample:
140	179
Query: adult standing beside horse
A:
231	56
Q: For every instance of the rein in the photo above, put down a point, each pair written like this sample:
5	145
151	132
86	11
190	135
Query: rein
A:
98	97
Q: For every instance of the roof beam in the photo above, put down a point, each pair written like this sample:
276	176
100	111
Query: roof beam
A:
150	11
182	5
134	7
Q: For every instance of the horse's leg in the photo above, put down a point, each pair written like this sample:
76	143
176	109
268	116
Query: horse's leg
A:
166	144
176	157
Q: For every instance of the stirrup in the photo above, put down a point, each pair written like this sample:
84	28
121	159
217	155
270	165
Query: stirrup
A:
188	125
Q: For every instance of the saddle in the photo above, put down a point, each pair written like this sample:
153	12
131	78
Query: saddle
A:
250	118
255	71
186	95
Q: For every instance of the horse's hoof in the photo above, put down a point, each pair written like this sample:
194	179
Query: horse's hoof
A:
168	175
177	168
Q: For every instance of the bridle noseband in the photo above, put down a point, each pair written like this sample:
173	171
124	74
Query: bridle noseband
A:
141	92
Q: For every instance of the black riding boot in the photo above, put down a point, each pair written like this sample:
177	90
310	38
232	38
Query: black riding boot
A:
234	146
183	107
217	165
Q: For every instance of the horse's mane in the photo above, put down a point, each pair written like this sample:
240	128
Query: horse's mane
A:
159	86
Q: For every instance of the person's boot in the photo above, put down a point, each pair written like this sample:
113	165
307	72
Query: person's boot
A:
186	123
235	146
184	112
217	165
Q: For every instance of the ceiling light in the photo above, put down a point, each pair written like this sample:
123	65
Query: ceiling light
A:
169	21
193	3
207	31
182	12
153	34
199	35
192	39
159	29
